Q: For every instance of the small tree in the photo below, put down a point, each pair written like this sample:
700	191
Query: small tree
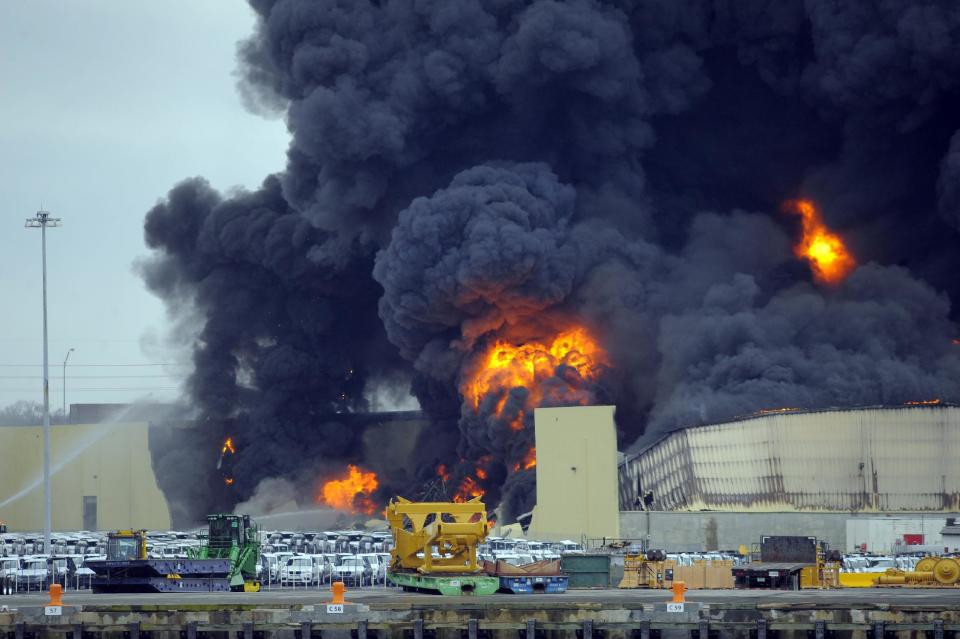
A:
25	413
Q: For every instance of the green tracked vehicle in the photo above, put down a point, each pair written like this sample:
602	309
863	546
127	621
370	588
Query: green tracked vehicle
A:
236	538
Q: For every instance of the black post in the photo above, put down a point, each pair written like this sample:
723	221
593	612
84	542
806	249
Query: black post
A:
761	629
362	629
644	629
531	628
247	630
418	629
133	628
473	625
191	630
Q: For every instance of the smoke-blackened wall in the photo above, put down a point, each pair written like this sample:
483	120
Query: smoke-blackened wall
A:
462	172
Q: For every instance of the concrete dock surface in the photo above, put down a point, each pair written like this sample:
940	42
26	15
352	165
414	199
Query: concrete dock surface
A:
390	597
379	613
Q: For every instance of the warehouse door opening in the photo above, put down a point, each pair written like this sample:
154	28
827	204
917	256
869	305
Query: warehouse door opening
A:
89	512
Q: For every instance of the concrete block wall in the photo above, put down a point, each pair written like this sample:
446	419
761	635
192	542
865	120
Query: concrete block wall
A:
701	531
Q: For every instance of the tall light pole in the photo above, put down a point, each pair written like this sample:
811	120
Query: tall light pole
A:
42	220
65	383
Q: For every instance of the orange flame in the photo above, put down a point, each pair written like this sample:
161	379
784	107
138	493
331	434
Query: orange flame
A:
924	402
227	447
228	481
530	459
350	492
824	250
505	366
469	488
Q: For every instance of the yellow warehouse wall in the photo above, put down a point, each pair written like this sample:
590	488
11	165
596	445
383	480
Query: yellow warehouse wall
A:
576	474
110	461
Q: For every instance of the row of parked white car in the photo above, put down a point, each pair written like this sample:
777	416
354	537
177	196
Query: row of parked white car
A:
327	542
524	551
37	572
288	558
286	569
360	559
874	563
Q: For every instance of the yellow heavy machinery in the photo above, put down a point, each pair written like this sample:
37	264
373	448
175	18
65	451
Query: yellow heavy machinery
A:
821	575
126	545
930	572
435	546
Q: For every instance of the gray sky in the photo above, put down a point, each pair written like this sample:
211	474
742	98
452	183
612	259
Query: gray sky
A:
103	107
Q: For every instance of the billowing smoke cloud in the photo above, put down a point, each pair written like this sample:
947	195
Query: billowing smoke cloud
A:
498	247
468	171
286	345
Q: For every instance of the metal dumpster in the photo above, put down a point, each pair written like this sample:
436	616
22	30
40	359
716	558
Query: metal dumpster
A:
586	571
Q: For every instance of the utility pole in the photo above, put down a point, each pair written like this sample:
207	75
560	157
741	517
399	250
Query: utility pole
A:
65	383
42	220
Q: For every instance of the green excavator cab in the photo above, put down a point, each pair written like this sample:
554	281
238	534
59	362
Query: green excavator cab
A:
236	538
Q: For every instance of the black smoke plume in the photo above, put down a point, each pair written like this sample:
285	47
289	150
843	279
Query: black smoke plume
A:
462	171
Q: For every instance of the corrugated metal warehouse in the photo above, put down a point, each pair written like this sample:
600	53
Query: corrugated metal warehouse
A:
901	459
795	472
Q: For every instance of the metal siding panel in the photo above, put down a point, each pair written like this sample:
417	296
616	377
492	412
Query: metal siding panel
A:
841	460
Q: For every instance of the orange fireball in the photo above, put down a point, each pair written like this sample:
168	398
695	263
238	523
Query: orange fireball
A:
505	366
828	256
350	492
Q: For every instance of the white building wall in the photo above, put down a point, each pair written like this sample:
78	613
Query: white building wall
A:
881	534
679	531
576	474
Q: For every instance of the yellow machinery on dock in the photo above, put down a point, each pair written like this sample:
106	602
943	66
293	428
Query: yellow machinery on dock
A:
822	575
435	546
126	545
930	572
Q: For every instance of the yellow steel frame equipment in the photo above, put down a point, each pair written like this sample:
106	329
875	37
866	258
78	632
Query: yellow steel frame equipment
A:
823	574
139	535
447	544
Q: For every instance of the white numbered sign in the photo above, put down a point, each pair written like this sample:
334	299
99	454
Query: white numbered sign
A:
674	607
334	609
52	611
